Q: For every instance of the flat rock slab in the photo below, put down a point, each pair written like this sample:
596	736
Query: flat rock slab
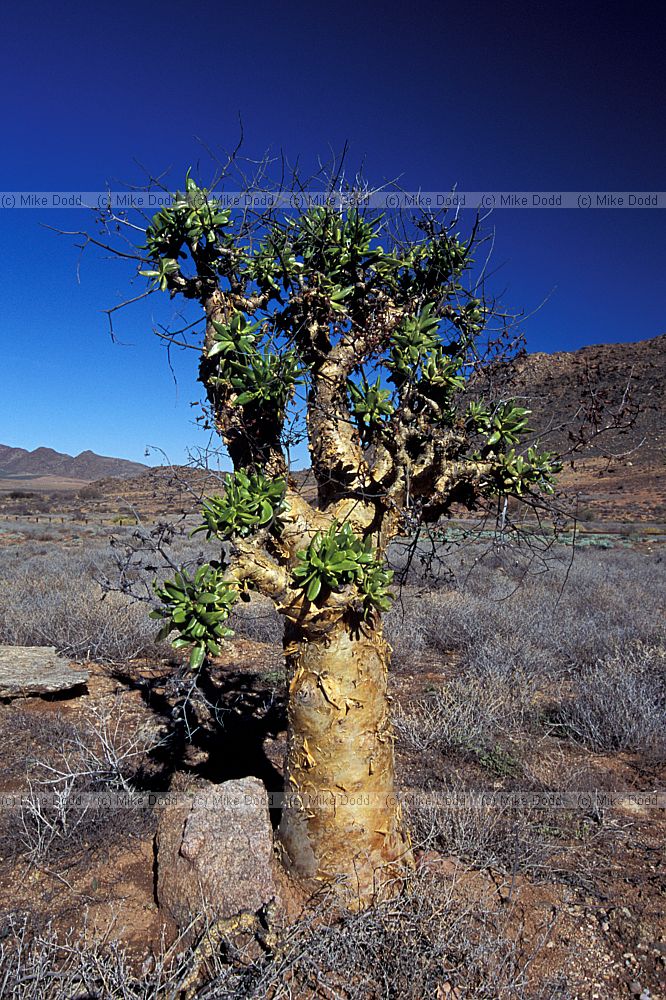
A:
35	670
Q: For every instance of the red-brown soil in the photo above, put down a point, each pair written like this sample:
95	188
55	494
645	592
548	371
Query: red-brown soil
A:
594	911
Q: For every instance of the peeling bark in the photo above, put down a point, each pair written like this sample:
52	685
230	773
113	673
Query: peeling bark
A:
341	820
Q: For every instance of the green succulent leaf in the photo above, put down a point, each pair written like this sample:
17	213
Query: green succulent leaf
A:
337	559
261	377
196	609
371	405
514	474
197	656
192	219
250	501
502	427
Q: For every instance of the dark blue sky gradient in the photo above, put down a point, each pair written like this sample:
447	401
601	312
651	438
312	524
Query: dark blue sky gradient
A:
483	95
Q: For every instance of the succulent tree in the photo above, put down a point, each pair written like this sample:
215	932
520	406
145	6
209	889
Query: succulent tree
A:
374	339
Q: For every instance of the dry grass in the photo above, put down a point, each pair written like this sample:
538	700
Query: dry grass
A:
53	593
424	942
589	640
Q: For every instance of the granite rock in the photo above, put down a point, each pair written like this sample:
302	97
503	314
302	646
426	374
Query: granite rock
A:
215	851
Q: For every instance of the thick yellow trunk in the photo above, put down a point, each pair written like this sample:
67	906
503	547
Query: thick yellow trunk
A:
341	821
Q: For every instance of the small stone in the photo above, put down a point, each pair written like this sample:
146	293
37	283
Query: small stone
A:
433	861
635	988
605	926
148	965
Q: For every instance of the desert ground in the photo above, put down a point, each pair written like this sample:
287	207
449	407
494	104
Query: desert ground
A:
528	692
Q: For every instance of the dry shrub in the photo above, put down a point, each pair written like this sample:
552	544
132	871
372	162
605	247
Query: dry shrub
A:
258	620
619	702
480	829
541	623
422	943
42	965
519	643
106	751
467	714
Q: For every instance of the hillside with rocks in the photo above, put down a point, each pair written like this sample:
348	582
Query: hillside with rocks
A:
568	391
619	476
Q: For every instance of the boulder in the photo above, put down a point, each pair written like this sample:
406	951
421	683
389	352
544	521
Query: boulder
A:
36	670
215	851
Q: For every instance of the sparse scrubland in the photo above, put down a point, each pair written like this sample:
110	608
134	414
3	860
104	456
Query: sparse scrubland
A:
509	676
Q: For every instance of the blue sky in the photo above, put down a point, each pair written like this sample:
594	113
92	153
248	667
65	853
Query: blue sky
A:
516	97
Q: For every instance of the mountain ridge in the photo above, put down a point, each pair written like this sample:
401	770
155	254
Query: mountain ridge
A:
621	477
87	466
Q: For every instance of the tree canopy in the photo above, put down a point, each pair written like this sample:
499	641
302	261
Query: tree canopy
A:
378	337
370	338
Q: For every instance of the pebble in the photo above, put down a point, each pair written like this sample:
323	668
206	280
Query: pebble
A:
635	988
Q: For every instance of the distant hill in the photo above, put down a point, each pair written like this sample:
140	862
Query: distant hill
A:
559	388
621	476
556	387
19	464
